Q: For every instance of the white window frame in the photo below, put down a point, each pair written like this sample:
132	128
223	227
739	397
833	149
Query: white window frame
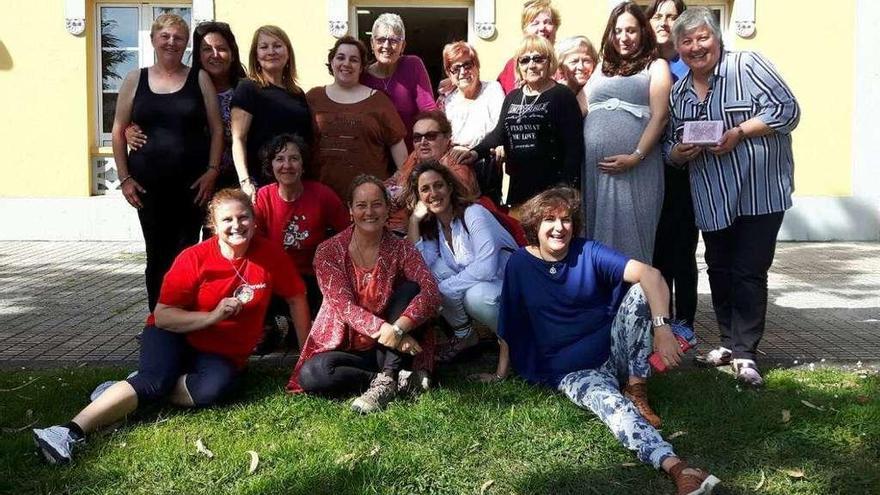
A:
146	57
353	17
721	5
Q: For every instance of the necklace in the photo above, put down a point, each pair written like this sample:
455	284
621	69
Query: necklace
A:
368	275
553	270
245	291
523	108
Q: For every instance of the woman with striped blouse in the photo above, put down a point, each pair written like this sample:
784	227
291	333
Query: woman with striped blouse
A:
741	185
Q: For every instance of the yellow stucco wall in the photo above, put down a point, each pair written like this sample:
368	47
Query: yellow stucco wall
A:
46	81
818	64
44	132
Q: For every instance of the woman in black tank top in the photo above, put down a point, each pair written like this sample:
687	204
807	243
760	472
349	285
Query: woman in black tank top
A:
173	173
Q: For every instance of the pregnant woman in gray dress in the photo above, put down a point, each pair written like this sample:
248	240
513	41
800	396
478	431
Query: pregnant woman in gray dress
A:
627	110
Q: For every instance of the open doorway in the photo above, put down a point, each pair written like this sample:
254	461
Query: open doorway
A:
428	30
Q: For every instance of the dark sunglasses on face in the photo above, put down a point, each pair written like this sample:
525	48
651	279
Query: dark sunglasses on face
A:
526	60
456	68
431	136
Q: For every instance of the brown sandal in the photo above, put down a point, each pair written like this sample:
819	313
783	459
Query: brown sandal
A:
697	483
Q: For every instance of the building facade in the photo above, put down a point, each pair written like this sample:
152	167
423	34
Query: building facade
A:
61	62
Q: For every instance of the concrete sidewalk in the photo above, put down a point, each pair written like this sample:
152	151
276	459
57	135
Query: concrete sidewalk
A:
65	303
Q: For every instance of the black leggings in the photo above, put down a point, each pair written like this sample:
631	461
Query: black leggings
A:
166	356
338	373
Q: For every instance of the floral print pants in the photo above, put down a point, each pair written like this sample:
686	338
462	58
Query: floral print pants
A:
599	389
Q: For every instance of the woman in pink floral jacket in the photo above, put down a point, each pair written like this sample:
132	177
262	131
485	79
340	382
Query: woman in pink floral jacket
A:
377	293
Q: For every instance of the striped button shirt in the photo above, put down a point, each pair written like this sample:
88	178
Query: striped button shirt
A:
756	177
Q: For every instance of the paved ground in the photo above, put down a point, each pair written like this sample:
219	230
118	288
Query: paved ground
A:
66	303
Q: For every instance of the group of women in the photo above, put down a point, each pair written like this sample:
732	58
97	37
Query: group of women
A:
564	279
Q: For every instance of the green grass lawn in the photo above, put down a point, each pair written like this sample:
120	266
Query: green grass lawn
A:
456	439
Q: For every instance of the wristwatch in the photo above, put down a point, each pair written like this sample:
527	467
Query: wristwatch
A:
659	321
397	330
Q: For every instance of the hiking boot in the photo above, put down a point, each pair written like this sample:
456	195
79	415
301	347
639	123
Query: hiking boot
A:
382	390
747	372
694	482
100	389
714	358
457	345
56	443
638	394
413	383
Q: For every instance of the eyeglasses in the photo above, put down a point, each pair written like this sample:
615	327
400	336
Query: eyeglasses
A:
431	136
456	68
526	60
391	40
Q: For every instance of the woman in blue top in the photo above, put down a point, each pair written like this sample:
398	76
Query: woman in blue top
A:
571	321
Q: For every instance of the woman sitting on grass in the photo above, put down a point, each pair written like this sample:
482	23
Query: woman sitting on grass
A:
572	322
377	292
208	318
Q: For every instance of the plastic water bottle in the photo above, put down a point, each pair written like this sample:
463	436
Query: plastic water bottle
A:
686	340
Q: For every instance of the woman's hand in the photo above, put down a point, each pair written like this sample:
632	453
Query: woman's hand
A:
460	154
445	87
135	136
248	187
618	164
682	153
205	186
408	345
728	141
485	377
387	336
226	308
420	211
131	190
499	154
668	347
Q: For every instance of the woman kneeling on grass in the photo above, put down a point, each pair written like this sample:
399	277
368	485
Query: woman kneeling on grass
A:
208	319
572	321
377	292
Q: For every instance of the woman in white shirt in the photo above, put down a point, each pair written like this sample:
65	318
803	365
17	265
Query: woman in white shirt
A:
465	247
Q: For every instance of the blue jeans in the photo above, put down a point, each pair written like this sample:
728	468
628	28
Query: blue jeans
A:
599	389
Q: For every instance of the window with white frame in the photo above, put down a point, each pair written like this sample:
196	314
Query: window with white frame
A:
720	9
123	41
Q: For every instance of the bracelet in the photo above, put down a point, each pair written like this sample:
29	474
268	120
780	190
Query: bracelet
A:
639	153
122	181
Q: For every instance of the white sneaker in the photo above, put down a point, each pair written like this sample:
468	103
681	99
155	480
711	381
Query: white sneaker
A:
100	389
412	383
56	443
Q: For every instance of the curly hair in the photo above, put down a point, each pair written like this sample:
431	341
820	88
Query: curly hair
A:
276	145
224	196
615	64
547	203
457	196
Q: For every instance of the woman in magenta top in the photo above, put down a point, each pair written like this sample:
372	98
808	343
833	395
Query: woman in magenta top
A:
402	77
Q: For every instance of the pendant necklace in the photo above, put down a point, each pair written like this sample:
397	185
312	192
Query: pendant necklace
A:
368	275
245	291
523	108
552	270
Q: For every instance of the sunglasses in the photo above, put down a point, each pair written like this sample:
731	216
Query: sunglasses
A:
456	68
431	136
526	60
391	40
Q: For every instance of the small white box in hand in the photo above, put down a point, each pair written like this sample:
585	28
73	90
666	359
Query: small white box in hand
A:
702	132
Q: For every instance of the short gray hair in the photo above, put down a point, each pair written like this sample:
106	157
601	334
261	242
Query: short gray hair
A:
574	44
693	18
391	21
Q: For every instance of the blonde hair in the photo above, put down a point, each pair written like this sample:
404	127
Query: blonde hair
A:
169	20
533	8
540	45
574	44
288	73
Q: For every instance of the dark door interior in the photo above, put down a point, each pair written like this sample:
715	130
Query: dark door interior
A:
428	30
